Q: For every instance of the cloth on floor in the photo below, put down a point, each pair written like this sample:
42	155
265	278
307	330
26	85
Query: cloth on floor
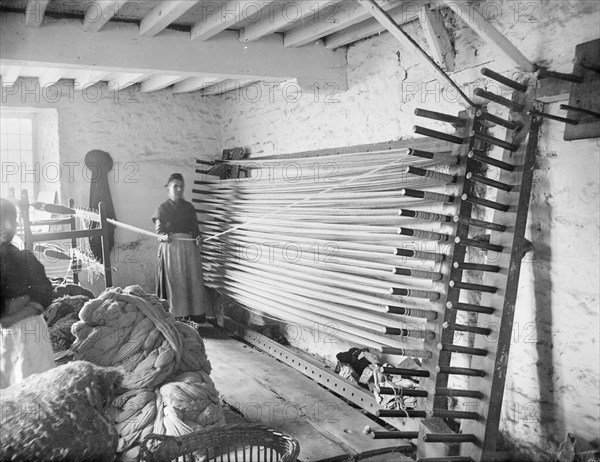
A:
59	415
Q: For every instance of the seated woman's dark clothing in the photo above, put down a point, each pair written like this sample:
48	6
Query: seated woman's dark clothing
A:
22	274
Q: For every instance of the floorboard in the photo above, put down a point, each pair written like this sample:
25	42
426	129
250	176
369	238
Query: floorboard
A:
268	391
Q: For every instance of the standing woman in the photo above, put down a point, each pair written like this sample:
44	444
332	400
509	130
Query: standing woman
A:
179	262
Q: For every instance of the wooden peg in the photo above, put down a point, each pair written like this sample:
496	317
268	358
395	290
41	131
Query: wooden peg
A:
436	176
476	267
566	107
517	107
458	393
504	80
479	244
427	195
471	286
464	328
458	121
495	141
462	349
479	223
449	438
545	115
438	135
469	307
404	372
509	124
485	203
546	74
490	161
415	293
466	371
488	182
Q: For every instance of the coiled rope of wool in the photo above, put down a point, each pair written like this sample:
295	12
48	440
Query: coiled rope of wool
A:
130	329
166	368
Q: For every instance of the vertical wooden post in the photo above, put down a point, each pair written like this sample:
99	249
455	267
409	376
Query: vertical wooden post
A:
73	226
105	246
24	206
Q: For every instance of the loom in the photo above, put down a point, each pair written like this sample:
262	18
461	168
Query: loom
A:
397	247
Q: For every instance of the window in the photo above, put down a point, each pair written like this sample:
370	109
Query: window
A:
16	154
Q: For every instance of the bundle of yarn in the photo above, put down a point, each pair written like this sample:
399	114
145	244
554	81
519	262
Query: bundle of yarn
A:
166	370
60	415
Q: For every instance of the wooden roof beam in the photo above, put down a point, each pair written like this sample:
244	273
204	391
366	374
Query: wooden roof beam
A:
226	85
34	12
51	76
125	80
123	50
164	14
476	21
402	14
98	13
89	78
159	82
194	83
10	74
289	13
334	18
218	16
437	37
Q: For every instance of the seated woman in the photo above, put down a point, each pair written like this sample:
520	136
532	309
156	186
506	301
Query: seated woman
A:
25	292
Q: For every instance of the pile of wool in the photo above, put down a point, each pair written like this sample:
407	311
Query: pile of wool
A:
60	316
60	415
187	402
164	361
72	290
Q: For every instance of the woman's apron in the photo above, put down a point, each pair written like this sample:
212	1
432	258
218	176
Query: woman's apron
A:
25	349
180	277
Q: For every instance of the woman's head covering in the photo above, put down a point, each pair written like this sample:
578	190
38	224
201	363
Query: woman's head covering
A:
8	209
173	177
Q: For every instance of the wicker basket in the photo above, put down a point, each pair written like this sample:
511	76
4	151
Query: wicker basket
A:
236	442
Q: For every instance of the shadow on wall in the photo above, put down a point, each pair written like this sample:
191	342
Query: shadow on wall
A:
541	233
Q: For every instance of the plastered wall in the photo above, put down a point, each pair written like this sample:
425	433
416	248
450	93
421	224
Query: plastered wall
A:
552	384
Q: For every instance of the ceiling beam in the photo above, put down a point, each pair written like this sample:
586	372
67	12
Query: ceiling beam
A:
289	13
330	20
164	14
98	13
34	12
50	77
193	84
10	74
476	21
403	14
159	82
437	37
89	78
64	44
226	85
125	80
218	16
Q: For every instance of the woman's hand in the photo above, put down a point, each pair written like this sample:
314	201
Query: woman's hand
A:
165	238
17	311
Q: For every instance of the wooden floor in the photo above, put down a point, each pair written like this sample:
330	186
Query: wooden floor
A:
265	390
